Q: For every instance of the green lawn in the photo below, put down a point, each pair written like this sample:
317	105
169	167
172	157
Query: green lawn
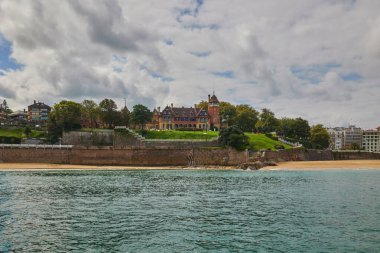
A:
256	141
172	134
260	141
19	133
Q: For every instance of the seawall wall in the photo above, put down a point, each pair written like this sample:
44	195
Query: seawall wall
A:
136	156
301	154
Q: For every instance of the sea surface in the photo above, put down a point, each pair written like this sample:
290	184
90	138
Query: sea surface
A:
190	211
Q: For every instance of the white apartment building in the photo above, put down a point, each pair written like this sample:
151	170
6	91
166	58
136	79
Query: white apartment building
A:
371	140
343	138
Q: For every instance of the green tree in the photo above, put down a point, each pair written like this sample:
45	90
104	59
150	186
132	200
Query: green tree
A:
140	115
267	122
27	131
319	137
227	113
90	111
108	112
246	118
125	116
354	146
65	116
297	129
203	105
234	137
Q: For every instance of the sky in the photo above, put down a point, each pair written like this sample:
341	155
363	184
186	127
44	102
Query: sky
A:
315	59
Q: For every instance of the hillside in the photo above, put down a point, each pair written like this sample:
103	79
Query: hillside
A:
261	141
256	141
19	133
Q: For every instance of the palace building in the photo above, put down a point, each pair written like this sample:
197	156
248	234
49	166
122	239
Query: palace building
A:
187	118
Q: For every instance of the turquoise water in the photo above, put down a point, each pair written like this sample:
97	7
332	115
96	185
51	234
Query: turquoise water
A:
190	211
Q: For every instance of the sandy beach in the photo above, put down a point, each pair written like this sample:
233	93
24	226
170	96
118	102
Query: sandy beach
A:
49	166
326	165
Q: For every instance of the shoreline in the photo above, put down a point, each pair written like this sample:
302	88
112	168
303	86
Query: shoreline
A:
325	165
282	166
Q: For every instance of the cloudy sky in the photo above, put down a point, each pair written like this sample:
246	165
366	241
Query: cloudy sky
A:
318	59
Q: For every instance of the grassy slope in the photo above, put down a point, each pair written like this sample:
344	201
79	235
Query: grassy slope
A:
256	141
260	141
19	133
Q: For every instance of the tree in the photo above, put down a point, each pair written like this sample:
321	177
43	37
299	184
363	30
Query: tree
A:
297	129
65	116
5	107
90	111
27	131
108	112
354	146
267	122
319	137
233	137
140	115
203	105
227	113
246	118
125	116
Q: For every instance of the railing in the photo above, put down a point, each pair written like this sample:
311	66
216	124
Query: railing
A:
36	146
290	143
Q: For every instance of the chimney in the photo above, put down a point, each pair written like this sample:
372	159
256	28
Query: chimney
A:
34	101
195	106
159	109
209	97
171	105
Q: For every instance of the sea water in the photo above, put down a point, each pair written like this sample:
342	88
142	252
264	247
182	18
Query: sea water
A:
190	211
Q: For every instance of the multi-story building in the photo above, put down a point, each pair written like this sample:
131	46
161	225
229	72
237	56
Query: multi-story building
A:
184	117
18	118
38	113
346	138
371	140
336	137
3	116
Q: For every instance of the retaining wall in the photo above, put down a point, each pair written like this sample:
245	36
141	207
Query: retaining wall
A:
136	156
355	155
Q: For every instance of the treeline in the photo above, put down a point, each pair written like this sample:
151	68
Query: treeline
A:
69	115
246	118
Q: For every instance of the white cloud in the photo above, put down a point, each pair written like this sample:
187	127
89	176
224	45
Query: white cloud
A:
68	50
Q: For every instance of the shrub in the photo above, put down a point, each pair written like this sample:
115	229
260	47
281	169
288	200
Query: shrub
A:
233	137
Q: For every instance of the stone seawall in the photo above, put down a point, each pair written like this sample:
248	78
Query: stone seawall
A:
33	155
298	154
136	156
317	155
355	155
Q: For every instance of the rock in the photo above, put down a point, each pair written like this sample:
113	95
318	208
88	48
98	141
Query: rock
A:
270	163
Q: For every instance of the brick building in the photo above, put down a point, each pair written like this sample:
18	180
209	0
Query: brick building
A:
38	113
187	117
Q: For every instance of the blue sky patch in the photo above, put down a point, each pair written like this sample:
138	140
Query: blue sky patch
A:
118	58
201	54
225	74
313	73
168	42
196	26
7	63
157	75
355	77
